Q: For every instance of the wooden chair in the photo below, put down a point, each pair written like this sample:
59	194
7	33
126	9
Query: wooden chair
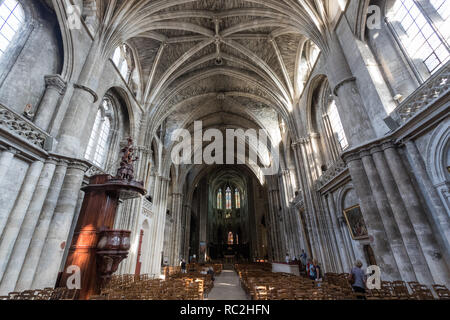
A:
442	292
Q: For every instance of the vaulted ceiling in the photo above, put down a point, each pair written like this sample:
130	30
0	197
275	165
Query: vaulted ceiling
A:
216	59
223	53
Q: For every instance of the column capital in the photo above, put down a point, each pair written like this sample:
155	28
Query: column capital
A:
88	90
57	82
365	154
376	149
163	178
79	165
351	157
12	150
388	145
52	160
63	163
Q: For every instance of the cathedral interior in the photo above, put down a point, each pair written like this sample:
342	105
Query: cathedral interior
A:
352	94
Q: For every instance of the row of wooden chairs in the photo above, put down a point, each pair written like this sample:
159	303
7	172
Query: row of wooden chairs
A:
261	284
197	267
43	295
175	287
395	290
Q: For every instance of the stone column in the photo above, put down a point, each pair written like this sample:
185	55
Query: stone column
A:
274	226
416	213
347	238
161	193
187	235
377	234
29	224
178	206
284	198
337	255
40	232
309	205
6	158
55	88
203	218
383	198
18	213
345	257
442	218
80	115
56	241
316	152
355	119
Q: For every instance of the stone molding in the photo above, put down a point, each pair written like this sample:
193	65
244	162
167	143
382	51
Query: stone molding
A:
336	169
94	170
436	87
21	127
90	91
368	151
341	83
147	208
57	82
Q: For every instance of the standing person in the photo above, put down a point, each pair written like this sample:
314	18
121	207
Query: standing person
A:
317	270
357	278
303	257
183	266
310	271
288	259
212	273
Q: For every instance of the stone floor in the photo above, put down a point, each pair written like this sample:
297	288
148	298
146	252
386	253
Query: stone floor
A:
227	287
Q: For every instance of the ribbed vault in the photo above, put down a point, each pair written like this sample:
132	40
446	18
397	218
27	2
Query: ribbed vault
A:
190	48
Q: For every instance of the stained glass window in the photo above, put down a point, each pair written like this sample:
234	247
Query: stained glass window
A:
219	199
237	197
230	238
228	199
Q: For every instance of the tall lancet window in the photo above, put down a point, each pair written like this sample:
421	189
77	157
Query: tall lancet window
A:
237	197
219	199
230	238
12	18
123	60
337	126
422	28
228	205
98	143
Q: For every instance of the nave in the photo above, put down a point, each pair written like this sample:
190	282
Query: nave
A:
240	282
136	134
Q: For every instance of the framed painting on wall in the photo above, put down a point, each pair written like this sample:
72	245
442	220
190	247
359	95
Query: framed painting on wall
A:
355	223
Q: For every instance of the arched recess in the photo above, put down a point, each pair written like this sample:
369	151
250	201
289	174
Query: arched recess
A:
143	248
125	58
438	161
23	52
120	126
346	199
324	125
